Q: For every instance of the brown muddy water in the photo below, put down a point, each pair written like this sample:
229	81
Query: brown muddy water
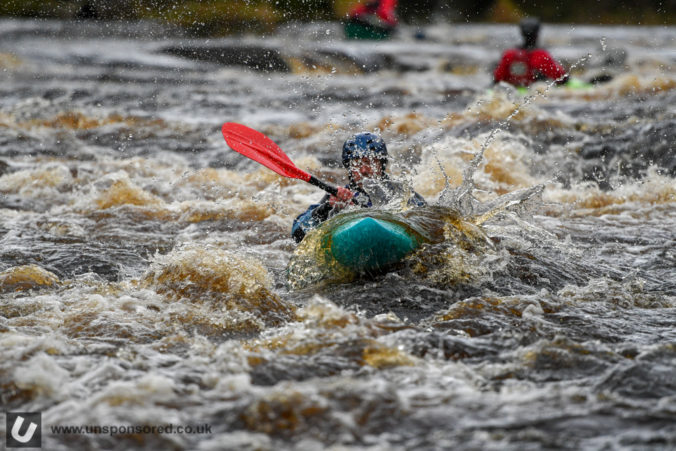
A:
147	275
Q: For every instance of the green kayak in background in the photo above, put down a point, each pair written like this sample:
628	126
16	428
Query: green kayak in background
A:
572	83
577	83
369	244
360	30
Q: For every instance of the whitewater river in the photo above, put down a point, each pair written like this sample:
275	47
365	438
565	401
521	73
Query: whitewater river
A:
148	278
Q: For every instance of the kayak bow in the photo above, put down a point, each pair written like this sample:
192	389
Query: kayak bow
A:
367	244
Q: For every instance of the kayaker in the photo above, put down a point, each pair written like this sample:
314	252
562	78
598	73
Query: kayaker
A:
365	158
376	14
528	64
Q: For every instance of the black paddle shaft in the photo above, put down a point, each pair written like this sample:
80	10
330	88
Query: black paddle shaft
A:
319	184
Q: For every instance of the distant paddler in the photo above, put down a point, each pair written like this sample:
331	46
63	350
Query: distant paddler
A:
364	157
527	64
375	19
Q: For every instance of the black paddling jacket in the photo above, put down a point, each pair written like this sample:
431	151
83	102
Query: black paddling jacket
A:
318	213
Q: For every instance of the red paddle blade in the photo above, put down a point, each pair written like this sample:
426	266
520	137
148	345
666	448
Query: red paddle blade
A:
260	148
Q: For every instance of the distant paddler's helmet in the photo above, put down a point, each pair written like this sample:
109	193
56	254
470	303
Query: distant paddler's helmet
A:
364	145
530	28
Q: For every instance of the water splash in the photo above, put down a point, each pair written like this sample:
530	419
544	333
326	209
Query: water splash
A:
461	198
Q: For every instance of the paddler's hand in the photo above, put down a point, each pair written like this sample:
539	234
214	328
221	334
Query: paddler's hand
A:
343	198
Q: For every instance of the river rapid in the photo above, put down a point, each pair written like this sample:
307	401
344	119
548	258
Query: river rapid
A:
145	273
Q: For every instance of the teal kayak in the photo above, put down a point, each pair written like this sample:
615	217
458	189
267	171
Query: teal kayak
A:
369	241
368	244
